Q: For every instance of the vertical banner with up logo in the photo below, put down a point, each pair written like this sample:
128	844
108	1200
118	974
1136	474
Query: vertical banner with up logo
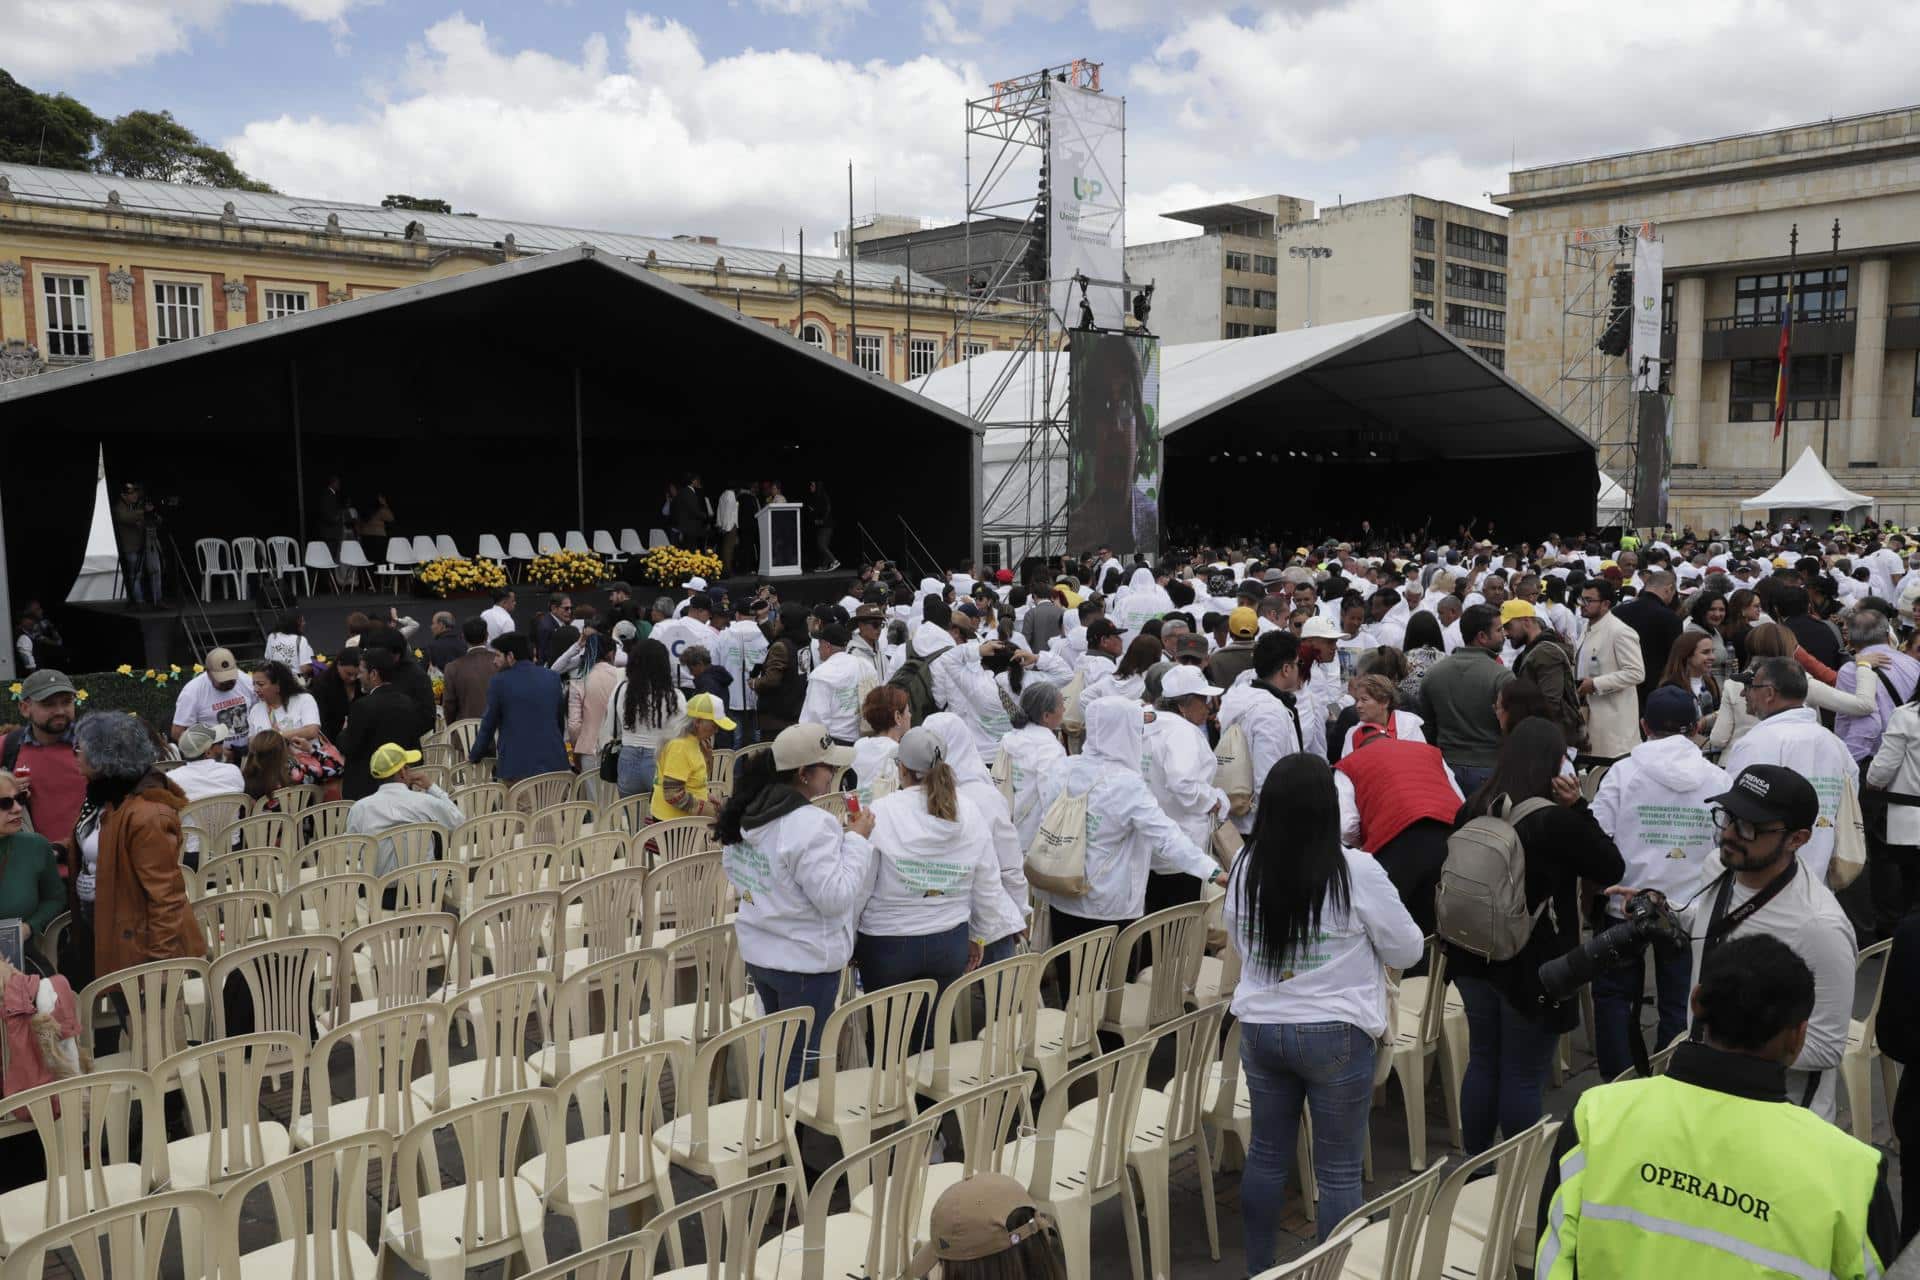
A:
1087	201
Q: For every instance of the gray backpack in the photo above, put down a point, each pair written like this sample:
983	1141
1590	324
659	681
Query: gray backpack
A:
1481	904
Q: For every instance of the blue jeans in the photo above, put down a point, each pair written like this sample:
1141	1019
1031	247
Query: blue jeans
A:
1470	778
779	990
1328	1067
636	770
1507	1060
995	952
1616	990
887	960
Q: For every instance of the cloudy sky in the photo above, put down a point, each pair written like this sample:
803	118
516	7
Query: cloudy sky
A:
737	118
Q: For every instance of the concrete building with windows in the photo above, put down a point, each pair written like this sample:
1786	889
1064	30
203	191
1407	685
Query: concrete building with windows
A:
1273	263
94	265
1724	209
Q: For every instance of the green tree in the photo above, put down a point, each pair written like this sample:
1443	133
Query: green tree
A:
419	204
152	144
44	128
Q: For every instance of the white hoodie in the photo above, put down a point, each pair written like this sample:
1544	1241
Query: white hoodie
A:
1180	769
802	882
1032	750
1796	738
977	786
1269	730
934	874
833	696
741	648
1653	802
1128	834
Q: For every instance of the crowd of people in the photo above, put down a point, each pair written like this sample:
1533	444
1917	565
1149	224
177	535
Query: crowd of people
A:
1723	731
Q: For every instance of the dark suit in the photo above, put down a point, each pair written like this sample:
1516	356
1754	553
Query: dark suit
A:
1899	1028
1816	637
384	715
526	712
690	516
444	649
464	696
1658	626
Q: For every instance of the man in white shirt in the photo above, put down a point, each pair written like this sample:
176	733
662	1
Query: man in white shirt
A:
694	586
1269	710
1790	734
401	797
1180	764
739	649
217	696
694	626
205	774
1448	610
1655	804
836	686
499	618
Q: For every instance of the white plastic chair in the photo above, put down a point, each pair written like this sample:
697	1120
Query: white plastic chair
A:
216	561
489	1214
445	546
354	558
283	557
1488	1254
249	558
1326	1262
577	541
320	560
656	538
317	1202
1416	1043
519	547
604	545
125	1240
423	549
631	544
548	543
1388	1249
1856	1061
399	562
488	548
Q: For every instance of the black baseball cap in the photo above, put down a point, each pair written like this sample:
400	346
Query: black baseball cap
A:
1772	793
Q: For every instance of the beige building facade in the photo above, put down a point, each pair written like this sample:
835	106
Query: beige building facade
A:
1724	210
1223	282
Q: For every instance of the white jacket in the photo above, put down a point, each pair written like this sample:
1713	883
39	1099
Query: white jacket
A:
1032	751
934	874
1896	768
741	648
872	757
1180	774
977	786
802	881
1798	740
679	634
1653	802
961	685
1128	834
833	695
1610	657
1270	733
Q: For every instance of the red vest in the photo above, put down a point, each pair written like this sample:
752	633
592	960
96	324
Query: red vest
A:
1396	783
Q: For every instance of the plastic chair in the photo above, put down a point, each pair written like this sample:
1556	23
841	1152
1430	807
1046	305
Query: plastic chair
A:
720	775
630	815
835	803
657	538
399	563
508	875
520	547
387	963
150	1003
319	559
879	1242
632	1255
541	791
1656	1061
426	886
1863	1046
1471	1212
410	844
1219	972
124	1240
1489	1254
561	823
207	823
353	558
82	1125
732	1220
325	821
215	558
445	548
952	1065
604	915
548	543
613	1165
1058	1038
1416	1042
423	549
707	961
285	978
346	855
987	1118
1327	1261
249	561
229	920
384	1051
1386	1248
852	1102
318	1203
677	838
500	1014
727	1141
510	936
631	544
247	871
488	548
487	800
1178	937
684	895
291	799
283	558
577	541
489	1214
606	548
331	905
621	989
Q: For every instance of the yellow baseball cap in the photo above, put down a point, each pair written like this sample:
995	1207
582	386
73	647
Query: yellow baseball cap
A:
702	706
1243	622
390	758
1516	609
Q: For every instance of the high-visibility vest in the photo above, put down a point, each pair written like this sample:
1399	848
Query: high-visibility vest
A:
1672	1179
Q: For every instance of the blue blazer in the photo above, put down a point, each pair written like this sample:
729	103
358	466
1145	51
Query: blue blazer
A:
526	710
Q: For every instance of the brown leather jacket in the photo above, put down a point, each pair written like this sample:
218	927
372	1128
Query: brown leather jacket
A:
141	912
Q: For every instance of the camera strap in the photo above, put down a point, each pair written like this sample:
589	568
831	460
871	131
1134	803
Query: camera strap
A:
1722	922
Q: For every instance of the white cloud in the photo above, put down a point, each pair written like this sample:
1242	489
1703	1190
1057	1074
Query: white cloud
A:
939	26
654	138
73	37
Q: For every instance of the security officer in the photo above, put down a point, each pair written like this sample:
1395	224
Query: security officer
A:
1709	1171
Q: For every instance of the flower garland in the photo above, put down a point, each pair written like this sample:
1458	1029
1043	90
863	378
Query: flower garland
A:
452	576
671	566
563	570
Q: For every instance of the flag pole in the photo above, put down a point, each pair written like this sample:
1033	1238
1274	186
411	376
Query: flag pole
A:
1782	409
1828	381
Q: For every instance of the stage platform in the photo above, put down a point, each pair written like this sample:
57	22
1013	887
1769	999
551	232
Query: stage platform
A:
154	637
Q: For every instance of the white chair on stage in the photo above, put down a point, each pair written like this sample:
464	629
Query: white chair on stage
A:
320	560
423	549
399	562
520	547
606	547
283	557
354	559
547	543
216	561
444	545
657	538
249	561
577	541
630	542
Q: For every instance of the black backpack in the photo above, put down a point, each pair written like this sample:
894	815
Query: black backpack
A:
916	677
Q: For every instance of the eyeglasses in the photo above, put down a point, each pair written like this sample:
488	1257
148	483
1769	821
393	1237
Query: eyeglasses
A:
1741	827
7	803
1755	686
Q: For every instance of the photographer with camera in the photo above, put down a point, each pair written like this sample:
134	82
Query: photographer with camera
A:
1653	802
1701	1172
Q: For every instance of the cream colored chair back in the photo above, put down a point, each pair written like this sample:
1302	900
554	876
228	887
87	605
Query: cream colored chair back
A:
895	1168
502	1013
1005	988
289	980
414	844
835	803
384	1053
629	815
509	874
624	1099
595	855
461	735
561	822
439	775
334	905
513	935
83	1125
891	1016
1083	963
294	798
127	1241
485	834
324	821
732	1222
341	855
1326	1261
472	773
212	819
677	838
759	1052
611	910
224	1085
250	871
1196	1040
1405	1209
151	1007
542	791
618	994
390	962
236	918
487	1137
631	1257
425	886
1116	1080
481	799
989	1117
266	831
1178	938
709	960
720	774
317	1198
1511	1161
686	894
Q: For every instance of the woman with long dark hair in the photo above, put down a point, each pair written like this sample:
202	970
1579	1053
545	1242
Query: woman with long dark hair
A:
281	705
640	709
1708	614
1426	644
1512	1025
1690	667
1314	924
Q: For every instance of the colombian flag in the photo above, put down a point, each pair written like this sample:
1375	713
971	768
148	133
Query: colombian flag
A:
1780	379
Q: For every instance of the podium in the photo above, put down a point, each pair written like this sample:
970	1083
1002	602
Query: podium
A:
779	540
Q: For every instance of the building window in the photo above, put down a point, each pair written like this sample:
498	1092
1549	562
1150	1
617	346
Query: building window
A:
1266	266
1481	283
1422	232
1423	275
1817	295
1492	355
814	336
1477	322
1916	388
275	303
866	352
176	309
1261	330
1472	242
1666	308
1238	297
69	319
1813	390
1265	299
1424	306
971	349
1239	331
1237	261
923	357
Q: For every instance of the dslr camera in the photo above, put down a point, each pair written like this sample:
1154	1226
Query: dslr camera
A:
1649	919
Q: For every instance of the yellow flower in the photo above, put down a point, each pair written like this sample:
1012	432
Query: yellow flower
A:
123	669
151	673
175	668
197	669
14	688
319	657
80	695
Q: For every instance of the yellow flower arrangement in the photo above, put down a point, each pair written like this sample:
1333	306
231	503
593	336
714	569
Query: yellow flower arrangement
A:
671	566
567	570
123	669
450	576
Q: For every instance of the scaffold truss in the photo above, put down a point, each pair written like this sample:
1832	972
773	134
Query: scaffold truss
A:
1596	389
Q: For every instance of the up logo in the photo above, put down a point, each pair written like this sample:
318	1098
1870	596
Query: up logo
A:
1085	188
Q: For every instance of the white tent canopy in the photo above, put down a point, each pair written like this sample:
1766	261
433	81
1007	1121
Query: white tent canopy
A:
99	577
1808	487
1611	506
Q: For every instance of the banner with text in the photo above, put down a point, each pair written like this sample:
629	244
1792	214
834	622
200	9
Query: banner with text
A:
1113	431
1087	202
1649	258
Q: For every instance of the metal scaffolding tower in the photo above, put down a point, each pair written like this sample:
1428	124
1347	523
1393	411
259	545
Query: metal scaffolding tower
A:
1596	389
1024	403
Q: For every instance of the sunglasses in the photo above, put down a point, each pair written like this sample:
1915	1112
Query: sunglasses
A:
8	802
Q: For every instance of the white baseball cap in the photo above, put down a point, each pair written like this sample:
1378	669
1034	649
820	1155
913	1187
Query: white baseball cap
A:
695	584
1318	628
1182	682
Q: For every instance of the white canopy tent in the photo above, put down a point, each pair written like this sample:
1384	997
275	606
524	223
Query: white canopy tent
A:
99	577
1611	505
1808	486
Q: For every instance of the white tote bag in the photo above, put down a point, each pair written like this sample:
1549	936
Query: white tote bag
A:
1233	770
1057	858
